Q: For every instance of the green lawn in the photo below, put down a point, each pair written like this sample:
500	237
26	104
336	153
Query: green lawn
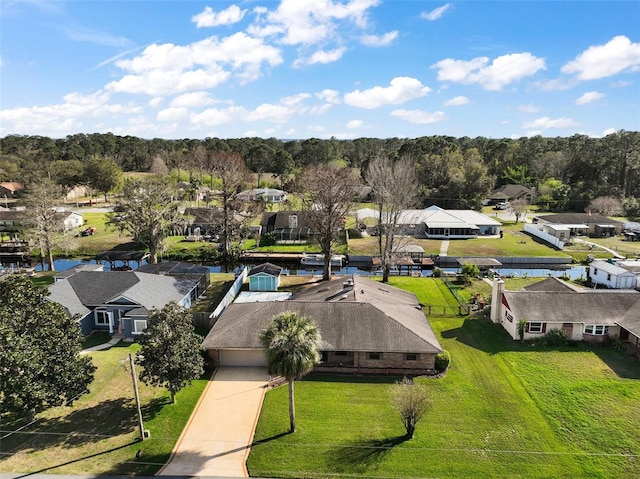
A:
503	410
98	434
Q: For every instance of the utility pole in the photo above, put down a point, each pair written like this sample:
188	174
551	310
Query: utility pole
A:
137	394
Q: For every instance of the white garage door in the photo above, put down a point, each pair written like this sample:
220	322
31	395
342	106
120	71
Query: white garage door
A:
247	357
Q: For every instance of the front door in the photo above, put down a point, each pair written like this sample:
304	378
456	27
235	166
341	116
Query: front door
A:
568	327
624	334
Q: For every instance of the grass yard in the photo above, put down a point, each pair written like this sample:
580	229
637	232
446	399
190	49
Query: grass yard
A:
98	434
514	243
504	409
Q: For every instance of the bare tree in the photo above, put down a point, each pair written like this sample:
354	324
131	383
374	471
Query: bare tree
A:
329	193
411	401
607	206
42	217
149	213
233	174
518	208
395	188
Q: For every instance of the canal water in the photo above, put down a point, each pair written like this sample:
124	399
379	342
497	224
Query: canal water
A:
573	272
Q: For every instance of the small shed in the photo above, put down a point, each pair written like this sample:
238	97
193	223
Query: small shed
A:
264	277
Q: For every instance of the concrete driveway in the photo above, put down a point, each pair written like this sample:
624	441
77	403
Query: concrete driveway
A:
217	437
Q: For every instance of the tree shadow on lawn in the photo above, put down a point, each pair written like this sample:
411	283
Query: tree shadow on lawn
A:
360	457
114	417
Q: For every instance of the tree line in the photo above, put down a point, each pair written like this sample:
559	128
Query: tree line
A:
569	172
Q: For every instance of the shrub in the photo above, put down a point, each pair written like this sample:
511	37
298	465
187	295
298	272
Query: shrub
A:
437	272
443	360
555	337
354	233
268	239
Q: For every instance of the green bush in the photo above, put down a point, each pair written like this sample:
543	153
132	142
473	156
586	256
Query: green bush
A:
443	360
268	239
554	337
437	272
354	233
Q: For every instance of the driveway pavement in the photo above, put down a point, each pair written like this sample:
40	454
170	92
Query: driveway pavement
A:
217	437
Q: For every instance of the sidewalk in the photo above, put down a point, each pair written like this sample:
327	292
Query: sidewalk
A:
112	342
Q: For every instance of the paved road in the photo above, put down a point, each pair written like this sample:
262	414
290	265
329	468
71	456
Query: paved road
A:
216	440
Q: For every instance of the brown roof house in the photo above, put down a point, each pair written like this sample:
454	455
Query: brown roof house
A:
513	192
287	225
586	315
366	327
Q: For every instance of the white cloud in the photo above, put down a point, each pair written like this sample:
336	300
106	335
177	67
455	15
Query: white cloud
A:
608	131
330	96
502	71
589	97
217	116
379	40
621	84
616	56
164	69
436	13
529	108
209	18
192	100
354	124
308	23
173	113
544	123
457	101
400	90
63	117
322	56
419	117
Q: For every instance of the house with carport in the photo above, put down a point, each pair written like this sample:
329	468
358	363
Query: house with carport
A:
366	327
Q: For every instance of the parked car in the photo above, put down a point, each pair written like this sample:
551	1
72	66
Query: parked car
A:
502	206
88	231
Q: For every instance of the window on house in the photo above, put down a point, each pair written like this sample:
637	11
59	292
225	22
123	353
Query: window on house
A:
293	221
509	317
411	357
324	356
139	325
375	356
535	327
608	277
596	329
102	317
595	270
340	353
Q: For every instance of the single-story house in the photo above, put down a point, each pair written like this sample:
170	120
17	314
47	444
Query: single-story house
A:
119	301
630	328
609	275
586	315
270	195
437	223
9	189
366	327
592	224
286	225
15	219
511	193
264	277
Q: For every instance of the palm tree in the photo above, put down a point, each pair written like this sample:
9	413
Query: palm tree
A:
291	347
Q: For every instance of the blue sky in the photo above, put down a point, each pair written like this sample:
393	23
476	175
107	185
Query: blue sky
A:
319	68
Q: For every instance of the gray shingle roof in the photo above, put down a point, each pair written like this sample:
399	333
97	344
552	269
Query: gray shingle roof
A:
551	284
372	317
631	320
95	288
267	268
589	307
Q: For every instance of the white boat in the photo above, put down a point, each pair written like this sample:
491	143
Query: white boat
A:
318	260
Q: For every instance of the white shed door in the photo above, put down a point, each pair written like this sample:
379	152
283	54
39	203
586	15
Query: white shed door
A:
247	357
